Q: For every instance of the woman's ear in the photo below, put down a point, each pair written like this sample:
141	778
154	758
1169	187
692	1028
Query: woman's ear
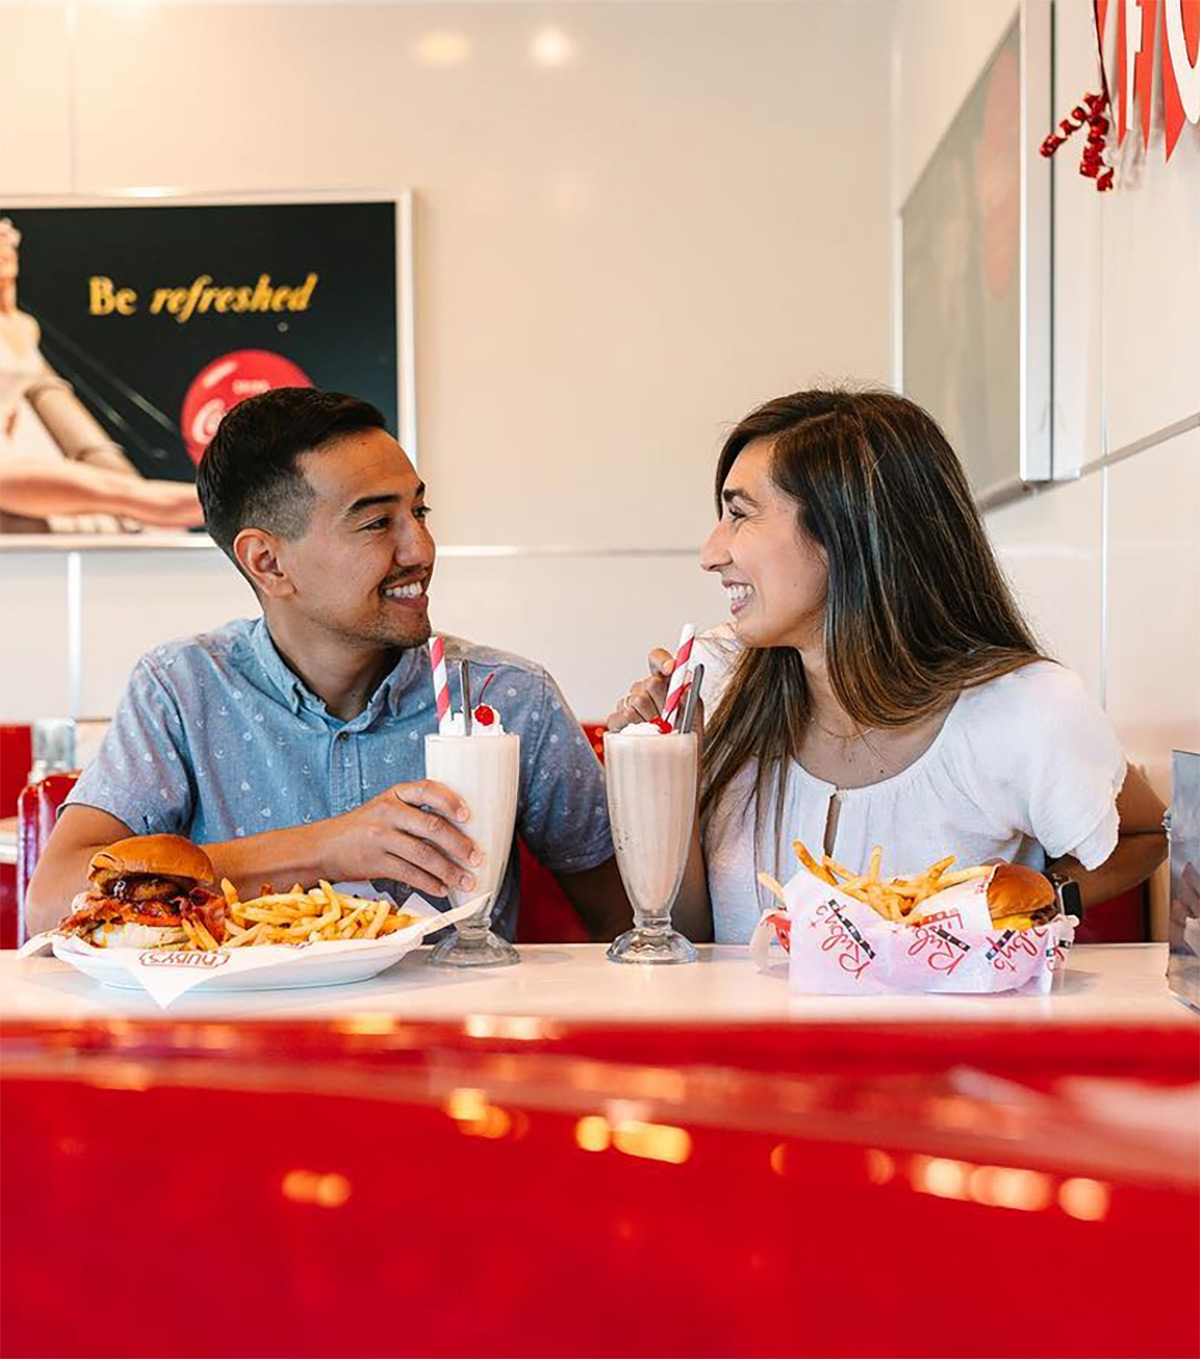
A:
257	553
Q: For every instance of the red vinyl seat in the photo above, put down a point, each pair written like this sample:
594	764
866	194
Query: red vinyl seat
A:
546	916
1124	919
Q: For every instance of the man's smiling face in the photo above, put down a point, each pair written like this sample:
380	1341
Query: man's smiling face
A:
362	567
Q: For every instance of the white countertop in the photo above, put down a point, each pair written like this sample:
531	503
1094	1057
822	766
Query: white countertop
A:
1104	984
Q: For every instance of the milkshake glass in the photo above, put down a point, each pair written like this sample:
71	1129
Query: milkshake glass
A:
484	770
651	781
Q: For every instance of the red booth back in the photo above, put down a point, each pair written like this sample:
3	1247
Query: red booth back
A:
16	759
546	916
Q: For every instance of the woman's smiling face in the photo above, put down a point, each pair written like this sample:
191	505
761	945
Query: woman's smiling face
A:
774	574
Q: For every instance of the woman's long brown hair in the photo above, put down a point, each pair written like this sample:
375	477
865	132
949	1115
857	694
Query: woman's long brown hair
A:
916	607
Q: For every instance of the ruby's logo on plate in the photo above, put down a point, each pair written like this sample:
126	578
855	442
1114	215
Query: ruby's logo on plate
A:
220	385
169	957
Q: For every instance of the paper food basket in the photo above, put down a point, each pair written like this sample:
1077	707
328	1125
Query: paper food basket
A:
836	945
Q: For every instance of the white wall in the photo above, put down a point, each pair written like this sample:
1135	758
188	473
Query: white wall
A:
616	256
1108	564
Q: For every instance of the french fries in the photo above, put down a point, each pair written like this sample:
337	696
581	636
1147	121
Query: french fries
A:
811	864
894	899
775	888
296	917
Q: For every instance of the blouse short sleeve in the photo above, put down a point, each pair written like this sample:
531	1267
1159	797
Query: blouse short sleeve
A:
1063	760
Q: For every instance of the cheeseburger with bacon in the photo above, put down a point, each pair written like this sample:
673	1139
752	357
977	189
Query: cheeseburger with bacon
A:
142	890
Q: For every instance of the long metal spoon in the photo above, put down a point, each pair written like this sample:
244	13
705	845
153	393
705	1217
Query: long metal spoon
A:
693	694
464	680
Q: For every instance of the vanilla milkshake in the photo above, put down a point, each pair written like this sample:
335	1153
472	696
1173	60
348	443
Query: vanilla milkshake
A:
484	769
651	779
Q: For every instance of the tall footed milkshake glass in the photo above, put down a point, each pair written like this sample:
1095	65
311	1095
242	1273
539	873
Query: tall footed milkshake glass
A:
651	780
484	770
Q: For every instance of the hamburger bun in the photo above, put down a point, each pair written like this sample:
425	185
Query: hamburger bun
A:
1016	891
158	856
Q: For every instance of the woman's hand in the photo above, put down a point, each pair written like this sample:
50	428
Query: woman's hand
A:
645	699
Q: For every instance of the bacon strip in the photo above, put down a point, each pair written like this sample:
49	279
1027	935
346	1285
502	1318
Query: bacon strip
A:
98	910
200	902
94	911
209	908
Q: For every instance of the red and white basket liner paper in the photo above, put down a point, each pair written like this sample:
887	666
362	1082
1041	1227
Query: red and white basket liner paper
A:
839	946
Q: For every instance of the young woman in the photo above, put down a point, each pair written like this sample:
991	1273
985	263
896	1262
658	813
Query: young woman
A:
878	685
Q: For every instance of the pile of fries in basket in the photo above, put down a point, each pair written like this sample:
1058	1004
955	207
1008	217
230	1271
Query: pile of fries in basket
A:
894	899
298	917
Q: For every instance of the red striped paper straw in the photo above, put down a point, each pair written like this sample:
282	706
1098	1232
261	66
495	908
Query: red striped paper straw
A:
441	684
683	659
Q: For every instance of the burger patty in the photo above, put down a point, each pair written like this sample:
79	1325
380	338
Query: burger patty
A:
1044	914
144	887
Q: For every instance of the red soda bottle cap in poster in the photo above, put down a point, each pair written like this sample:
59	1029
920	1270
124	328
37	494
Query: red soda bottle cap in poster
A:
221	384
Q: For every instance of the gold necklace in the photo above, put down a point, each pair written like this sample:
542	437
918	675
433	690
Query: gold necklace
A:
837	735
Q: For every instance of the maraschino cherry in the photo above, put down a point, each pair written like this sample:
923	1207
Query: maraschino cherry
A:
483	713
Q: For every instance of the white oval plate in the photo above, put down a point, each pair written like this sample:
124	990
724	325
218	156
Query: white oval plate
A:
281	969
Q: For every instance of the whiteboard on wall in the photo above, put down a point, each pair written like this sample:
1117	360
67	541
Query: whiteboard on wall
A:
975	276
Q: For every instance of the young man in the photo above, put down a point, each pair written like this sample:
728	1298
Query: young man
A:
291	746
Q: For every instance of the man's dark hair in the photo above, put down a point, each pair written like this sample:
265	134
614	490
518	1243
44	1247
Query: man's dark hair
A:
249	477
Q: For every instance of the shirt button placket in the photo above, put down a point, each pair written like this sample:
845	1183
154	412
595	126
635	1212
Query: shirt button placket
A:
340	773
354	770
350	783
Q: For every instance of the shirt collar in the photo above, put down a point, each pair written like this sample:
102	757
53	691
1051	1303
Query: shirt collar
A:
410	678
289	684
405	676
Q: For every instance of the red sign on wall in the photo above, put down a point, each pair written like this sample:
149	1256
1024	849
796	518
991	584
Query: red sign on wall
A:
1180	67
1137	34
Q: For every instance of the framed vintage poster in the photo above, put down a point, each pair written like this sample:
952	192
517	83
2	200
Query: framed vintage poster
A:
128	328
975	277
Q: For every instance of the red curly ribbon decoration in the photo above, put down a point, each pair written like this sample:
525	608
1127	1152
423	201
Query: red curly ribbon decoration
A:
1090	114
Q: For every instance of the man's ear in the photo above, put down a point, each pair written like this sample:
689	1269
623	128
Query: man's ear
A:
257	551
